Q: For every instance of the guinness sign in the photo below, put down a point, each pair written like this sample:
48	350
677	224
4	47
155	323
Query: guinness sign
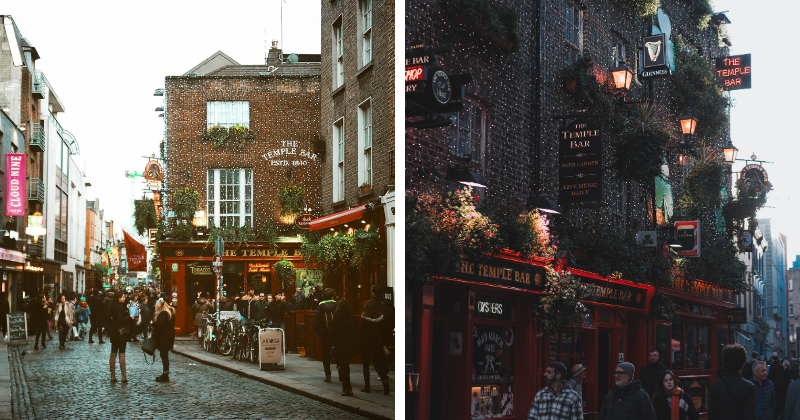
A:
654	63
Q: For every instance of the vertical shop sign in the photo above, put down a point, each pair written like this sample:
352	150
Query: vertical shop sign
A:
655	56
15	184
580	162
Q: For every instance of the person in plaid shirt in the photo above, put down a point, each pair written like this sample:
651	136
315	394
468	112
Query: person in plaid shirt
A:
557	401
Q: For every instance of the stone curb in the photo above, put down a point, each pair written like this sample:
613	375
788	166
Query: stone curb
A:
364	408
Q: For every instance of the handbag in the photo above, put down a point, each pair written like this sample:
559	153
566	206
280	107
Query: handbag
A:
149	348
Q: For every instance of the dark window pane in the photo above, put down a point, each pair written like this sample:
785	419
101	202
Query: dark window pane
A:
677	345
690	345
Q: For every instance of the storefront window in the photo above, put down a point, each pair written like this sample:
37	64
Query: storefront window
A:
492	371
677	345
703	343
568	347
690	335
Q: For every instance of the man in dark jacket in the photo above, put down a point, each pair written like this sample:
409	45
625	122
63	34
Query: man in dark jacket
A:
323	327
747	370
298	300
277	311
650	373
627	400
97	316
732	397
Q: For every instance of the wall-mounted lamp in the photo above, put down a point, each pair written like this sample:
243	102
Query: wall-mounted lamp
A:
466	176
543	203
622	76
688	123
730	151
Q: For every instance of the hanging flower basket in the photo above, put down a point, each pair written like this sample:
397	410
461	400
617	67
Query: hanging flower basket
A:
285	271
217	134
292	199
184	203
239	133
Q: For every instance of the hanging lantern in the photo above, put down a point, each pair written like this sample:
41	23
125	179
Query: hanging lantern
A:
622	76
688	123
730	152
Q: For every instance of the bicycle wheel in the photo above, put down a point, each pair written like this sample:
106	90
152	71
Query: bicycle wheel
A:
211	341
244	348
225	344
203	340
254	348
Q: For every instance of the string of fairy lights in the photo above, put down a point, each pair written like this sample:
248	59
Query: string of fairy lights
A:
283	109
503	87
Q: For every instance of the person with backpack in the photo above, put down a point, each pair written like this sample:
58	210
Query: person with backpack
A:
323	327
82	318
732	397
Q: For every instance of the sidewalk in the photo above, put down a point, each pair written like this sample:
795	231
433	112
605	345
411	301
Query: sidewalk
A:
5	381
304	376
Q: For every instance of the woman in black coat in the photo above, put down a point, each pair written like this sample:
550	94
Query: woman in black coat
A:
345	343
164	335
120	333
373	340
668	393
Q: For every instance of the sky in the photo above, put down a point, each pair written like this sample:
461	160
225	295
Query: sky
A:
763	117
105	59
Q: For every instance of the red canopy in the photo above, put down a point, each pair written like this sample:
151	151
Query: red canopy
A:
337	218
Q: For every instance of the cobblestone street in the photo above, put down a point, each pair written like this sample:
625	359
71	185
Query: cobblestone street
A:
74	383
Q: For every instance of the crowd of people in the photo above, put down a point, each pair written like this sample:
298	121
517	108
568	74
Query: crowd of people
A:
121	315
745	390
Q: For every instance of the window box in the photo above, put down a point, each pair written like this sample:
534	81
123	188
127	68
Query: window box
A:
364	188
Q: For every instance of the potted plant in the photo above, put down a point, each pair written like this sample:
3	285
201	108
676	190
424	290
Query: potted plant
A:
365	187
292	199
217	134
239	133
319	144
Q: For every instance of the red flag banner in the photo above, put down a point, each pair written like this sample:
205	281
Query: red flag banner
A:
137	255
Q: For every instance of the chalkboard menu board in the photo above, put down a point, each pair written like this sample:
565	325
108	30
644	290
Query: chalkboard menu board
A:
17	327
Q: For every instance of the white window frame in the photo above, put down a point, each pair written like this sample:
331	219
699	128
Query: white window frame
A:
365	141
365	30
791	308
227	113
337	144
790	284
213	196
337	53
574	46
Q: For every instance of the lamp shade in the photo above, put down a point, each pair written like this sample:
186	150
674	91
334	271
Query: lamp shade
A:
622	76
466	177
688	123
730	152
543	204
673	242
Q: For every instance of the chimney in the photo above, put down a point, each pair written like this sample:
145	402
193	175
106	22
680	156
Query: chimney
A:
274	57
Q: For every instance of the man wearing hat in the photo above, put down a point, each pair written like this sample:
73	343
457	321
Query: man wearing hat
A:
627	400
578	375
556	401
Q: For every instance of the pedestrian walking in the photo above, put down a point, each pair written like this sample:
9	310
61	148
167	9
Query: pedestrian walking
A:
277	311
323	327
556	401
670	402
64	319
82	318
51	316
345	343
120	334
627	400
374	336
313	299
650	373
108	303
765	392
791	409
40	318
133	311
577	376
144	313
96	316
782	380
200	308
732	397
164	335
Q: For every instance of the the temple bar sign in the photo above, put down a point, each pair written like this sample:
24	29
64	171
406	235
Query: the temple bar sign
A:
580	162
734	71
702	289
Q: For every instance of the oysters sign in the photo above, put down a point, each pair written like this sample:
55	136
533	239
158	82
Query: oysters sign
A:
15	184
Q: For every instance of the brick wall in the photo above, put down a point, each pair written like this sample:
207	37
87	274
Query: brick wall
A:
375	81
282	108
518	124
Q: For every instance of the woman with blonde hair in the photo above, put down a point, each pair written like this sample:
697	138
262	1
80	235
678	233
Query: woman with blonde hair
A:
164	335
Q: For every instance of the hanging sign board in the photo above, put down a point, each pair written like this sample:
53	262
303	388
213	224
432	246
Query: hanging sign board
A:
580	162
654	63
736	316
17	324
153	175
646	238
270	347
734	71
688	234
15	184
747	241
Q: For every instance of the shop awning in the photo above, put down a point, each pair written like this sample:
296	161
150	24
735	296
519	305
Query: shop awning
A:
337	218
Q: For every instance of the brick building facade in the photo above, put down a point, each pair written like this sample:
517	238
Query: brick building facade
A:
508	130
358	119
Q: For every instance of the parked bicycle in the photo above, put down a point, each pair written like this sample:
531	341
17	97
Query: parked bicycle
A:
209	328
